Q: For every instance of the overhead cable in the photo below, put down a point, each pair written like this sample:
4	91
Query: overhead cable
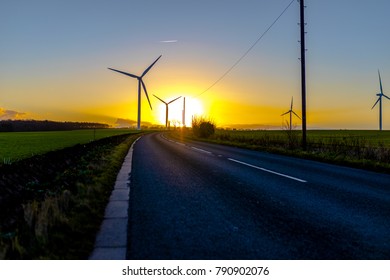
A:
247	51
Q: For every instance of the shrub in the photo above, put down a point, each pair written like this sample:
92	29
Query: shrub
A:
292	136
202	128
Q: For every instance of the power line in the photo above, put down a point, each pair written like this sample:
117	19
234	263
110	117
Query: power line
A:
247	52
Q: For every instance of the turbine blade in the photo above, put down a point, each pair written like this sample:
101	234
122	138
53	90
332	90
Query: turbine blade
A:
147	69
146	93
380	81
375	103
285	113
125	73
160	99
385	96
292	100
174	100
296	115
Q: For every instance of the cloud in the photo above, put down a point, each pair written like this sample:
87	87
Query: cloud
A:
169	41
10	114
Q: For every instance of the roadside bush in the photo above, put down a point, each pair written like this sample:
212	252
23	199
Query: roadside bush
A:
293	140
202	127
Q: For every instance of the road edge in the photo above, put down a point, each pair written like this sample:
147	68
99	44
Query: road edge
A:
111	240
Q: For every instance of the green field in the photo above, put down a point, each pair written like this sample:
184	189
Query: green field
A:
369	137
19	145
52	206
358	148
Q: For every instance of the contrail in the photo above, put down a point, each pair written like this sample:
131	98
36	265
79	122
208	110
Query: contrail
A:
169	41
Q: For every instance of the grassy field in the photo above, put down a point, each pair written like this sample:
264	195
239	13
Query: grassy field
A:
19	145
371	137
358	148
292	139
52	205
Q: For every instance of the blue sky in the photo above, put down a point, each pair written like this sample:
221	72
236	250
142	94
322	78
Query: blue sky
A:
54	57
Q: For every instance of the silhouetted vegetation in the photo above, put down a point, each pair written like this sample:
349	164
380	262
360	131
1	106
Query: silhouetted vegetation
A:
293	136
34	125
203	128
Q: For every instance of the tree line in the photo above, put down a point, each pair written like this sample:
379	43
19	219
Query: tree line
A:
34	125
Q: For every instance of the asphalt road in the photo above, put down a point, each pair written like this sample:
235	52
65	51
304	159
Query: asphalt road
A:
193	200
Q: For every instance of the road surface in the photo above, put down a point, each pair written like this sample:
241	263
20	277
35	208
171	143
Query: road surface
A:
193	200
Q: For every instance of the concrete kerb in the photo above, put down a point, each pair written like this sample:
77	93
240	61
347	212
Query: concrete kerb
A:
111	240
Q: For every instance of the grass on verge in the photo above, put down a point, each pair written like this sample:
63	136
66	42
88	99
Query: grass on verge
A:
63	224
360	149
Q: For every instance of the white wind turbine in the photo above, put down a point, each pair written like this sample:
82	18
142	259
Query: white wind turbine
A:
166	107
380	101
140	84
291	112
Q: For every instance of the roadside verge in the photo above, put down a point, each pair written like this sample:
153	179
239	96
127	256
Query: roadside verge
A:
111	240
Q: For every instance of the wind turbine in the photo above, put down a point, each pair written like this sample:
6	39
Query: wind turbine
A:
140	84
166	107
291	112
380	101
184	112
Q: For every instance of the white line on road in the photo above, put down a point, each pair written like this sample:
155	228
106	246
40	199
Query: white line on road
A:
201	150
172	141
269	171
179	143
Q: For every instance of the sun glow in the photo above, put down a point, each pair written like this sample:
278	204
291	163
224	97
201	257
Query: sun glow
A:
175	111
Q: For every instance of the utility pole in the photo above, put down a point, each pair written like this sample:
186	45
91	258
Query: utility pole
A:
303	72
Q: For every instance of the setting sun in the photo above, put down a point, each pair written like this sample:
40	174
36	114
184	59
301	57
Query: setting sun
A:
175	118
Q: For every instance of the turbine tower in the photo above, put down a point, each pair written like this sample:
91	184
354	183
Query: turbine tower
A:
140	84
166	107
184	112
380	101
291	112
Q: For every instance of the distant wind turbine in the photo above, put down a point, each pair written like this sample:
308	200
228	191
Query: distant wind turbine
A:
166	107
291	112
184	112
140	83
380	101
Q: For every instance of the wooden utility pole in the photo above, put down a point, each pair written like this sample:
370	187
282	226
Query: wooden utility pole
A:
303	72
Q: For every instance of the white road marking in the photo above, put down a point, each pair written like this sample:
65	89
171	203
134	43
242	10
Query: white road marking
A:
201	150
179	143
172	141
240	162
269	171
